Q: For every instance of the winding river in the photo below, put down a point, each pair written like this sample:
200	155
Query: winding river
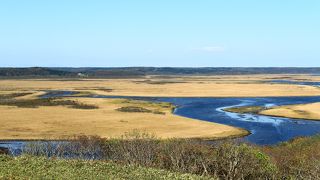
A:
265	130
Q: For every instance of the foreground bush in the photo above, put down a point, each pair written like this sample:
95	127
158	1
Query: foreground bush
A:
27	167
297	159
243	162
224	161
79	147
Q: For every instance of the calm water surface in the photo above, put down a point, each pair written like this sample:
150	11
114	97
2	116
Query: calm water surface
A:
265	130
308	83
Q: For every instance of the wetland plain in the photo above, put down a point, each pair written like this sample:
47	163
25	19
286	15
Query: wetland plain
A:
148	121
102	116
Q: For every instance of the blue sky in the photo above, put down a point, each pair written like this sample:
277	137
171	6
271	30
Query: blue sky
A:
180	33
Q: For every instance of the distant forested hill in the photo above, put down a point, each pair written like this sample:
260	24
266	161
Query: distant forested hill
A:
33	72
192	71
133	72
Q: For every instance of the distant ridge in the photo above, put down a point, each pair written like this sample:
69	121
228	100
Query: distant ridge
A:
194	71
32	72
133	72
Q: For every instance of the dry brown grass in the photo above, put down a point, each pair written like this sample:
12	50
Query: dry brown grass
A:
194	86
300	111
45	122
57	122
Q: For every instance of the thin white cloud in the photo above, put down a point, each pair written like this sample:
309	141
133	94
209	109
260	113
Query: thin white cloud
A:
211	49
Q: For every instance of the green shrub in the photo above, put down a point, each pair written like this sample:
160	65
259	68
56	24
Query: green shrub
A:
28	167
297	159
225	161
242	162
184	155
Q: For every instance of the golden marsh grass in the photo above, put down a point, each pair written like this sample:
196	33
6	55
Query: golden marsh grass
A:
59	121
300	111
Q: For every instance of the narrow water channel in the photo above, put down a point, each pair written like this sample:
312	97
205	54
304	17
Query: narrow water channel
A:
265	130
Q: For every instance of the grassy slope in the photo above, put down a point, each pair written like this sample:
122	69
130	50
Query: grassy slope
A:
41	168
